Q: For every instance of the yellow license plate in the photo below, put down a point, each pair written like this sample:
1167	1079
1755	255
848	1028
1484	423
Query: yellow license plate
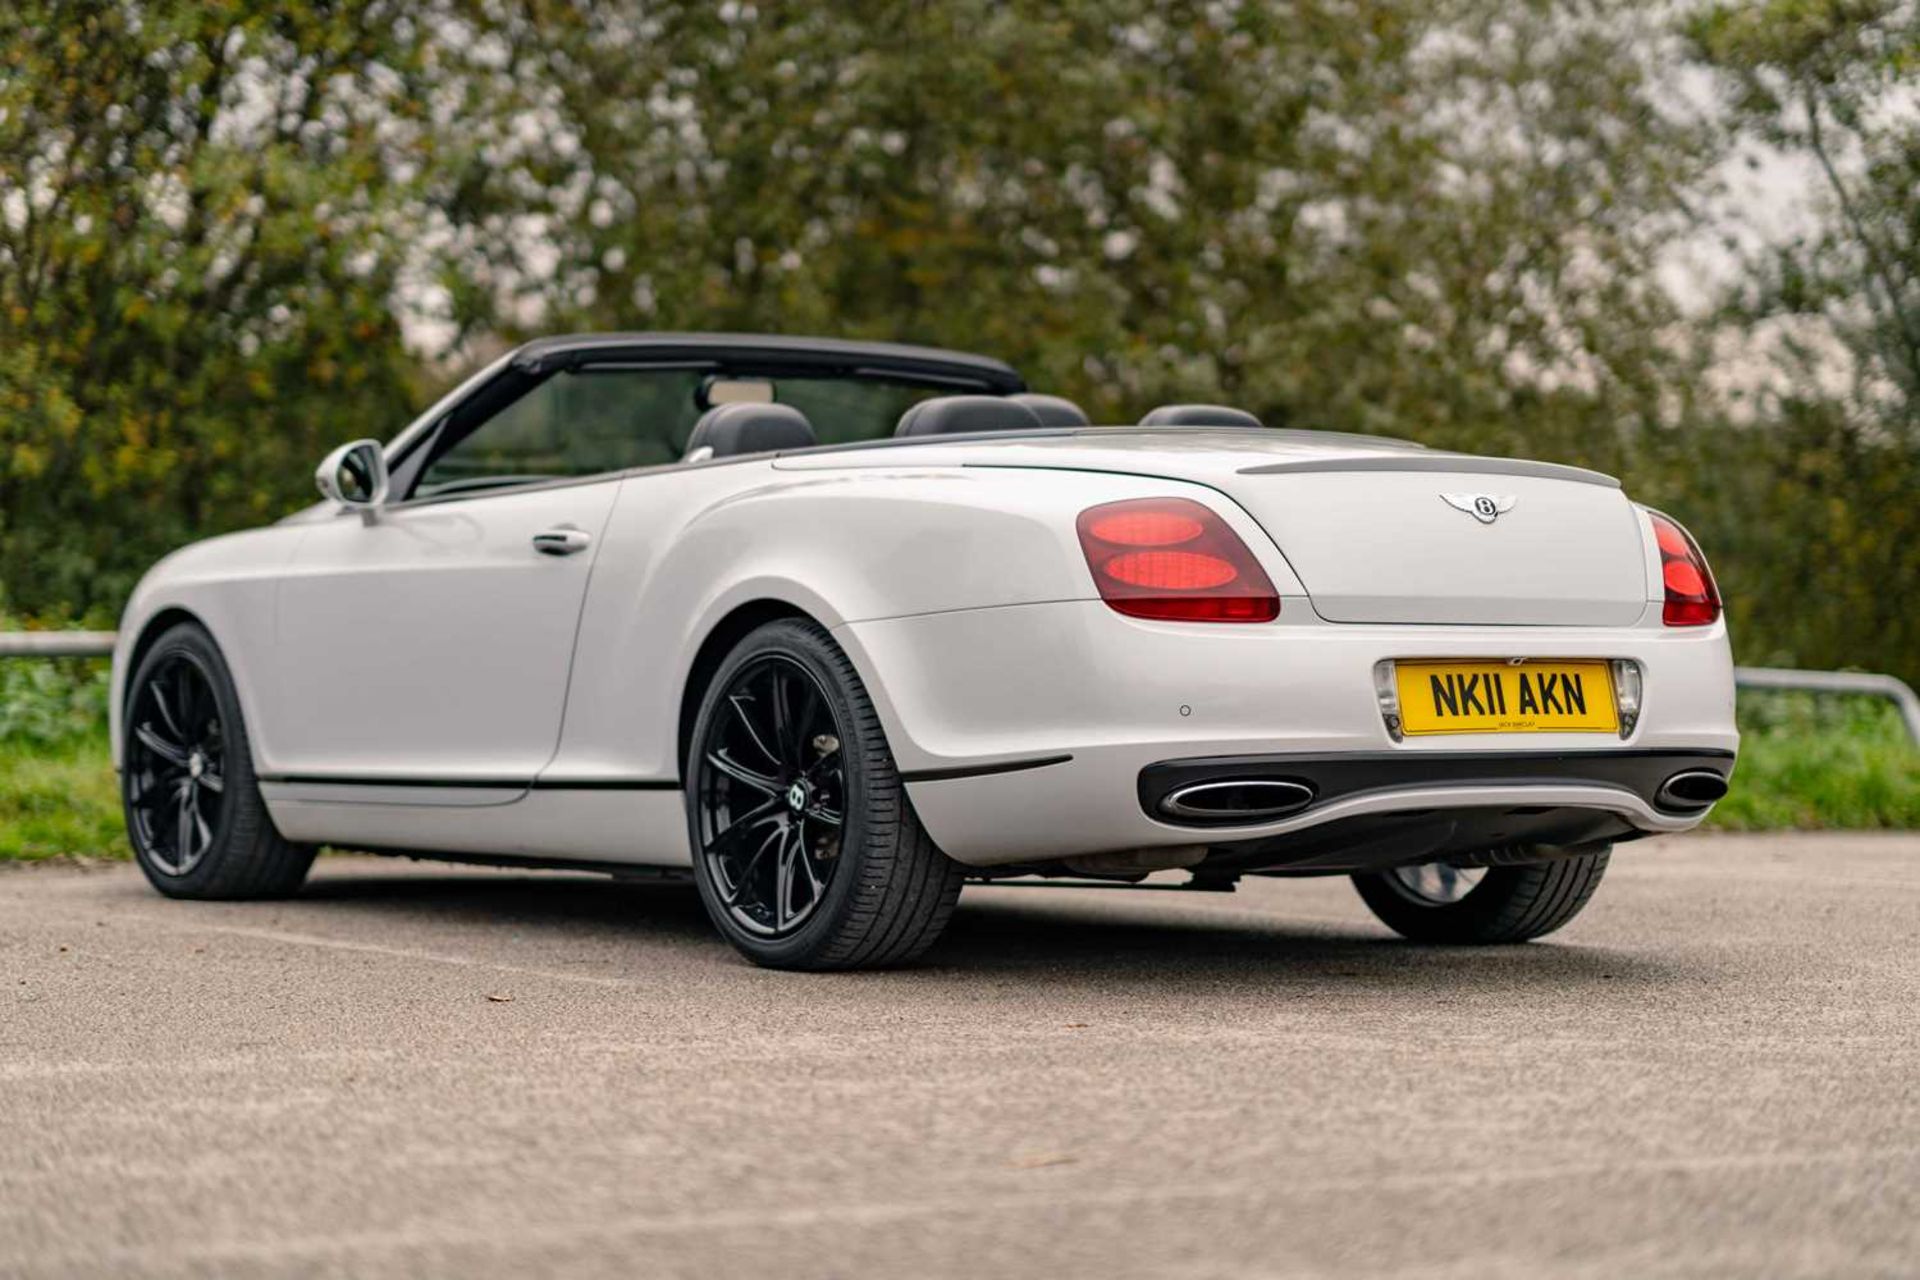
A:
1506	697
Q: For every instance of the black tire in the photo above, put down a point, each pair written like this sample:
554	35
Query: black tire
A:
185	734
1509	904
888	890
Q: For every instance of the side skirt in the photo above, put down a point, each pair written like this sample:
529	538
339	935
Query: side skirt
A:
544	825
633	873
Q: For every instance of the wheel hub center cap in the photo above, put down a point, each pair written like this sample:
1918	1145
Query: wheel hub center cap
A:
797	795
196	765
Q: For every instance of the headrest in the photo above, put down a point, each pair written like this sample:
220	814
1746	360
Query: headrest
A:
1199	415
1053	411
733	429
947	415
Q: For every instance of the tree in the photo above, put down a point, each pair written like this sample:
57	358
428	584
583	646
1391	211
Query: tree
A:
203	214
1831	80
1431	220
1827	524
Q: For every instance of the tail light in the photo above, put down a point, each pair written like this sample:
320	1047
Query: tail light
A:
1692	598
1173	559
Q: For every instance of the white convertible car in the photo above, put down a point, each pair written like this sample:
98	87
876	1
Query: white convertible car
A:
834	627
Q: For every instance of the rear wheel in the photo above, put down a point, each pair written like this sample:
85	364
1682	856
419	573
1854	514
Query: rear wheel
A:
806	851
194	814
1436	902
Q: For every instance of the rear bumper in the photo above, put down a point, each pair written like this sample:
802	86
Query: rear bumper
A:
1366	810
1201	793
980	706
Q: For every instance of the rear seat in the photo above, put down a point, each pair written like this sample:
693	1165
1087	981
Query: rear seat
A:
1199	415
730	430
956	415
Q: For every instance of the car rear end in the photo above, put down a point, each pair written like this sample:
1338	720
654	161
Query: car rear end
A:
1313	661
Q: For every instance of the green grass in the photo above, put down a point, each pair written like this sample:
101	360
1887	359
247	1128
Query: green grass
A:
1811	762
59	800
57	792
1805	763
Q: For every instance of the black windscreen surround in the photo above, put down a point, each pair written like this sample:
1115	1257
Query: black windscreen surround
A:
593	419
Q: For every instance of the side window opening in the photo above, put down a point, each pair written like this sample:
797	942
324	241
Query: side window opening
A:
577	422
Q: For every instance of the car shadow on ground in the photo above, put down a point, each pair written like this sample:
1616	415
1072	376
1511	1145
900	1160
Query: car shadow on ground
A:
998	936
1111	937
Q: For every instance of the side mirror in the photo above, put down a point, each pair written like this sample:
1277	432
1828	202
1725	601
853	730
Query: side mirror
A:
355	476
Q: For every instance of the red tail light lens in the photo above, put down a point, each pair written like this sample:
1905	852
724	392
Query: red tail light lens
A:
1172	559
1692	598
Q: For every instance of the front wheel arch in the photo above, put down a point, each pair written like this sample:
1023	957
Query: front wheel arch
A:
156	625
243	854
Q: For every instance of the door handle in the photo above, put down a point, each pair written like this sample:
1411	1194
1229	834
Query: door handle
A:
561	540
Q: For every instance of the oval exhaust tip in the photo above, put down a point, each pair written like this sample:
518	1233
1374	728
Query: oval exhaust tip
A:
1694	789
1236	801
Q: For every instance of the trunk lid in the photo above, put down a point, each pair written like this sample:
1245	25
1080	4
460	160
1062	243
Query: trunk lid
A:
1384	544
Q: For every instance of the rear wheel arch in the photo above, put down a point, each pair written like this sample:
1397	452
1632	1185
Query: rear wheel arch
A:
725	635
892	897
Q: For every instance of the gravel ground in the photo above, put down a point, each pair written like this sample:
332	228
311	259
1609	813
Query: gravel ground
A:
416	1070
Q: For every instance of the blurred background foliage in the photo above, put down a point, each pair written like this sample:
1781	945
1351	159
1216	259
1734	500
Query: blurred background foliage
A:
232	235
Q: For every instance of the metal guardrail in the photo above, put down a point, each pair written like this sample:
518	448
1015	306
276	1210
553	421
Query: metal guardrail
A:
99	644
56	644
1856	682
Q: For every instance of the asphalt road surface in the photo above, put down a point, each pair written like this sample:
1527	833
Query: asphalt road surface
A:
421	1070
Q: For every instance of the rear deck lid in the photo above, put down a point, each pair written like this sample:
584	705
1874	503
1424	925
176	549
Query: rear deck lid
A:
1518	544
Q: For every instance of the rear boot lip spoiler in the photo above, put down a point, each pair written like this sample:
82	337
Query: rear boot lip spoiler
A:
1438	462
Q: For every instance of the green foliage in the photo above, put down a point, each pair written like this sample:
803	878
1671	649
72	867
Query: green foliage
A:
1831	80
198	249
60	802
1814	534
1438	221
57	791
1821	762
1813	512
51	703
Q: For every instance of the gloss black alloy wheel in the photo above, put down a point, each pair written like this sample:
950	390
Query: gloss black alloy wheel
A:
196	819
175	764
772	797
806	849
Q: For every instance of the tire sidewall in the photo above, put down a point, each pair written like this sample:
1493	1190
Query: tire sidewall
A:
192	643
1468	915
811	650
1476	919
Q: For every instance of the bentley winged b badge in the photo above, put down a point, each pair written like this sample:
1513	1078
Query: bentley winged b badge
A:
1484	507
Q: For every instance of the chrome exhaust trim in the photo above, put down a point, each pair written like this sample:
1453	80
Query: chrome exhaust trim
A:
1236	801
1691	789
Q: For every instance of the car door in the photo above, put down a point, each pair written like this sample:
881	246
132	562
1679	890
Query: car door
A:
430	643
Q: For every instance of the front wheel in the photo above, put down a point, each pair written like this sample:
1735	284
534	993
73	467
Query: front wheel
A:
194	813
1437	902
805	849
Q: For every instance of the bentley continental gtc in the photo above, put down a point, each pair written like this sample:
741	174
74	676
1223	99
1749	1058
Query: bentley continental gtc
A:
835	628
